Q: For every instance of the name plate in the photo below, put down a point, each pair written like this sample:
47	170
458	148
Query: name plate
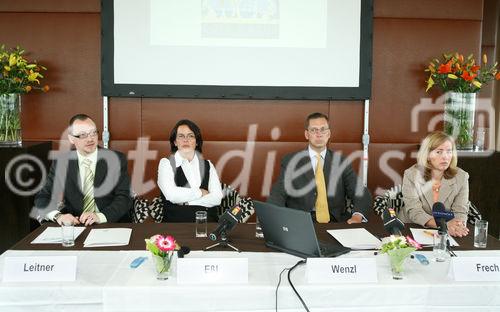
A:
476	269
341	270
212	271
40	269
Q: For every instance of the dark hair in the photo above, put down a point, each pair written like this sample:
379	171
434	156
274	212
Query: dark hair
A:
81	117
314	116
193	127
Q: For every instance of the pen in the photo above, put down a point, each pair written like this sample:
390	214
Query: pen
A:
429	233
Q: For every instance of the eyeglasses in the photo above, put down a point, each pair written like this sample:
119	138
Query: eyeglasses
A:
85	135
318	130
189	136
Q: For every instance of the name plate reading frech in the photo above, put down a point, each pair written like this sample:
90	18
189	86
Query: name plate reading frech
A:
40	269
341	270
476	269
212	271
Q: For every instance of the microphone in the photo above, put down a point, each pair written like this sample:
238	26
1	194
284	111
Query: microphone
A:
183	251
441	215
226	222
391	222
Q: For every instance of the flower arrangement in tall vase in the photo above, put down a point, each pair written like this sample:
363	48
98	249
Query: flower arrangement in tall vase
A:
460	78
17	76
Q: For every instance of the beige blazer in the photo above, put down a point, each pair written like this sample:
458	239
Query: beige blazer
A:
418	199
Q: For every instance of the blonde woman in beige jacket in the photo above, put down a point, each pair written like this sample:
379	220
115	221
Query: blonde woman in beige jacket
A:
436	178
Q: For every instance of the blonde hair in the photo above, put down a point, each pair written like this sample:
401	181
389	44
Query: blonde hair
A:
430	143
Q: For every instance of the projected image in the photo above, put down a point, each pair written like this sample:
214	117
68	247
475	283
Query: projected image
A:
239	23
247	48
240	19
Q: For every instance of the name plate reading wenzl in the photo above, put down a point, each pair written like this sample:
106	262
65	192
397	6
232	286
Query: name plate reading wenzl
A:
476	269
40	269
212	271
341	270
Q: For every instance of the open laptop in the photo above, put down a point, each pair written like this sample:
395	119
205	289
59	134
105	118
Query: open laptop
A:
292	231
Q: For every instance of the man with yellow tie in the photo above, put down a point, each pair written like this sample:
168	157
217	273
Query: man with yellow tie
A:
88	184
319	180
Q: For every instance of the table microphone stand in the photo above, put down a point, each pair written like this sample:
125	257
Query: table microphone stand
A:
223	242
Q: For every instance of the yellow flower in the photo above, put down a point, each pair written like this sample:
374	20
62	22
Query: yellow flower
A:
485	59
430	83
32	76
12	60
451	76
28	88
476	83
7	68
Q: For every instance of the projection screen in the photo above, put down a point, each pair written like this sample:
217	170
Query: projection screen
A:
263	49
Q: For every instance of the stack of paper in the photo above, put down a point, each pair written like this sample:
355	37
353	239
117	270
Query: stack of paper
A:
108	237
53	235
426	237
358	238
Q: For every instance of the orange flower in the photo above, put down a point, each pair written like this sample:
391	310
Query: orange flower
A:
45	88
28	88
445	68
497	76
475	68
468	77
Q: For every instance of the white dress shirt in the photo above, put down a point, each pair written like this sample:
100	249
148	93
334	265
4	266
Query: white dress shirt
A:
188	195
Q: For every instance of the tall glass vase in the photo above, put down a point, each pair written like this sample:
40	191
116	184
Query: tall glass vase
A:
10	119
459	109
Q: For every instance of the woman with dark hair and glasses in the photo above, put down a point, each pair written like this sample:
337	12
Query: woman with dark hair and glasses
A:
188	182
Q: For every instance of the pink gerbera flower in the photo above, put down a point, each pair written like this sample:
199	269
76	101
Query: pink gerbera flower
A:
165	243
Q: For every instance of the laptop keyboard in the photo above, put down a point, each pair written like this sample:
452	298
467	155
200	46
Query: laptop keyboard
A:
331	250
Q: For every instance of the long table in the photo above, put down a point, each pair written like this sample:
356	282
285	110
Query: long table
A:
105	282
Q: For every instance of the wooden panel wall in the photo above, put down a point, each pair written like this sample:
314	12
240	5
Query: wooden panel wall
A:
65	36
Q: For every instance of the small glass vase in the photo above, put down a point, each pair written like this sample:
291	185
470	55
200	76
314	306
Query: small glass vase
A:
10	119
163	265
459	109
397	258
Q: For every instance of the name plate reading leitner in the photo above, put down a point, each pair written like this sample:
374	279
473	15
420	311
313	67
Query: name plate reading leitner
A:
40	269
476	269
341	270
212	271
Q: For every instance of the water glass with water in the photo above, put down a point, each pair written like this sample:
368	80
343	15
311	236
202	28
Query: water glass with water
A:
68	234
201	224
258	229
480	233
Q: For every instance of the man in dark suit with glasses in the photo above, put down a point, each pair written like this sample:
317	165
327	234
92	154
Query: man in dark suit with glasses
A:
86	185
318	179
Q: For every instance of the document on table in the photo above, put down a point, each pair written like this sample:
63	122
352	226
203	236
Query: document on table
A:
53	235
425	237
108	237
358	238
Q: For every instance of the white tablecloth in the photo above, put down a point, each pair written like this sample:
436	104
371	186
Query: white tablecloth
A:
105	282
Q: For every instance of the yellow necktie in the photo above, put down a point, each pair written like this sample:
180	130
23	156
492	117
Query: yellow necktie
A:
322	213
88	188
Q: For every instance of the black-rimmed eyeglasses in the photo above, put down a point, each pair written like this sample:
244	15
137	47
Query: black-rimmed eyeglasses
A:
85	135
318	130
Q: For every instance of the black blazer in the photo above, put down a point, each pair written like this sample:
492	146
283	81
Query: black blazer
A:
296	187
62	190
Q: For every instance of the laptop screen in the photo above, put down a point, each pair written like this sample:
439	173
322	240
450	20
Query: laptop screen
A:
288	230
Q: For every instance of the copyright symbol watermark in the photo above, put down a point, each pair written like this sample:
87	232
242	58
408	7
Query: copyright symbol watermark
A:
19	175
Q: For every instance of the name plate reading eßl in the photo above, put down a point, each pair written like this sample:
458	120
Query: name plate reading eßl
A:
40	269
341	270
212	271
